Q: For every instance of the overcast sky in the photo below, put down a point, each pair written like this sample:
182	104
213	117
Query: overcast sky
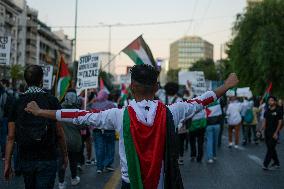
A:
212	20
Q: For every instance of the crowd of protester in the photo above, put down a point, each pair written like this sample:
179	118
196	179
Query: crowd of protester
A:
42	152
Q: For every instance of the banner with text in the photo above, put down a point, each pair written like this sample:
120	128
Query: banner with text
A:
88	72
5	49
47	77
196	78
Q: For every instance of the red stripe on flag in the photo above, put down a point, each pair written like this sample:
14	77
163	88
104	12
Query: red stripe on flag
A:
77	114
204	102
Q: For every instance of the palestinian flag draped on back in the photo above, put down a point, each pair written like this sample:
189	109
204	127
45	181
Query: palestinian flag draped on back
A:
63	79
139	52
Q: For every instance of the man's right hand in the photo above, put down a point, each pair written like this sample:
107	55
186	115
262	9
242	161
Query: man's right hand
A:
33	108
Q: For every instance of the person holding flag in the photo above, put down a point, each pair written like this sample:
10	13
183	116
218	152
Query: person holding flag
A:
147	146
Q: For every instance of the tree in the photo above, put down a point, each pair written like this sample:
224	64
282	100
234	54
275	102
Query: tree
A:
172	75
207	66
16	73
256	51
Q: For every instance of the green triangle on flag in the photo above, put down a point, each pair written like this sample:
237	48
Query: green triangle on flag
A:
139	52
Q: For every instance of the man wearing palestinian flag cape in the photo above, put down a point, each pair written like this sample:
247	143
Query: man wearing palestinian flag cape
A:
147	127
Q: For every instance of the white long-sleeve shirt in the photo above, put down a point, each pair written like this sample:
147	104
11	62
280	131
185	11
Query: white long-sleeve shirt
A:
113	119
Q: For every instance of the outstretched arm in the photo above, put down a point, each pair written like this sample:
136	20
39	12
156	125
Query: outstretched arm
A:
185	110
33	108
230	82
109	119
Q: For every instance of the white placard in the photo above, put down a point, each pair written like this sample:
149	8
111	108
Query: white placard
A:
244	92
196	78
5	49
47	76
88	72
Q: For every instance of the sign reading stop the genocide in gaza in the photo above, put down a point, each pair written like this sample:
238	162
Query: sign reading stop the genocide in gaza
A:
5	49
88	72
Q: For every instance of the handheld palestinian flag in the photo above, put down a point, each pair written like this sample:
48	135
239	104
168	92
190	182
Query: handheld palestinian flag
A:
63	79
139	52
267	92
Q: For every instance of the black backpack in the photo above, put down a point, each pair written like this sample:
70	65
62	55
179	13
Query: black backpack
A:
35	133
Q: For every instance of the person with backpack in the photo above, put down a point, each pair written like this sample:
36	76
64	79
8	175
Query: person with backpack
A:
247	120
73	142
148	142
37	137
197	127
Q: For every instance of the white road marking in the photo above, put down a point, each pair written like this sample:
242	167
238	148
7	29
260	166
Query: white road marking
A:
256	159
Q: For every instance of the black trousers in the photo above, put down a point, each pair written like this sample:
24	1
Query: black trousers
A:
197	137
73	158
182	138
271	153
125	185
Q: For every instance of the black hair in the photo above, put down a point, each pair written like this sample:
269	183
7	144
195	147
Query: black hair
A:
33	75
5	82
144	74
171	88
273	97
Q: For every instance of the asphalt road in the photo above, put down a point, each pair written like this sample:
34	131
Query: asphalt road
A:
234	168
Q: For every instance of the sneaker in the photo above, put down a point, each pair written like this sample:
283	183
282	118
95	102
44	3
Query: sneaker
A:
75	181
210	161
192	159
214	158
180	162
61	185
236	146
230	145
109	168
90	162
99	171
265	168
79	167
275	166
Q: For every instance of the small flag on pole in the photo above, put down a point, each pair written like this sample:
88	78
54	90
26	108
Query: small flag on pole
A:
140	52
63	79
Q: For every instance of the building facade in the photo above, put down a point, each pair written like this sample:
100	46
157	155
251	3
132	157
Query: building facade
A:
187	50
32	41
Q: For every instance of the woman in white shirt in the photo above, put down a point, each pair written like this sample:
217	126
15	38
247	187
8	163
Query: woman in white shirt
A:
234	120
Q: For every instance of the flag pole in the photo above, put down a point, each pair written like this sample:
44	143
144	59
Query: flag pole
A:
111	60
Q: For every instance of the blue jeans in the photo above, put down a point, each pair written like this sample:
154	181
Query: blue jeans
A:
104	148
3	134
39	174
212	133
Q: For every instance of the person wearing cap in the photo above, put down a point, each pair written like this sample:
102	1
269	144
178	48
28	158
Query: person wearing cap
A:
273	118
147	146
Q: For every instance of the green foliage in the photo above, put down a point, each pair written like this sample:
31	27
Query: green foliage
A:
207	66
172	75
16	73
256	51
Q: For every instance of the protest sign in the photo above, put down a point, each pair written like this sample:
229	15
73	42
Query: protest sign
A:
5	49
88	72
47	76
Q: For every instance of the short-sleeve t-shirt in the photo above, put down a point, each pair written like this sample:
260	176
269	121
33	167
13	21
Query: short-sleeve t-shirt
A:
272	118
48	153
